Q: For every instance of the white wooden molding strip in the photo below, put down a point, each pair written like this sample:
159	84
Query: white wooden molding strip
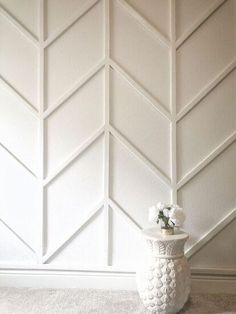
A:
173	104
206	90
125	215
136	153
204	17
211	234
203	163
107	279
78	84
156	34
10	89
213	284
107	234
85	145
19	238
14	268
41	131
107	225
141	90
18	160
213	271
67	270
18	26
84	222
83	9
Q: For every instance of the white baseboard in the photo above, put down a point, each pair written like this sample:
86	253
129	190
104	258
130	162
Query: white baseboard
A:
104	280
64	279
214	284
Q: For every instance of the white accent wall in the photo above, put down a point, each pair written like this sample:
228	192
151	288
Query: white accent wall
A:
107	107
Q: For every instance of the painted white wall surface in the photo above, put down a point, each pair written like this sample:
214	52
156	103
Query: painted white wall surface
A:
106	108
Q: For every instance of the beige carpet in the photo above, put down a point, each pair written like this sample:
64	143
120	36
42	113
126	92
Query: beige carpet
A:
73	301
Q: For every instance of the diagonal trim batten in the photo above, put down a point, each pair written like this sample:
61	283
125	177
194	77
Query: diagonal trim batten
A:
205	16
12	90
141	90
205	162
85	221
19	27
74	155
19	238
156	34
77	85
125	215
206	90
211	234
18	160
88	5
157	172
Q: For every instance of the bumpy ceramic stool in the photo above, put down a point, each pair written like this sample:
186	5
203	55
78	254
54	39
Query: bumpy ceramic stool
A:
164	278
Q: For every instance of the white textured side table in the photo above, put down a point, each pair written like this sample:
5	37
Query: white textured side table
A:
164	279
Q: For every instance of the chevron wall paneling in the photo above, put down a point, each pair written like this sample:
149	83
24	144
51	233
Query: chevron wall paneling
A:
109	106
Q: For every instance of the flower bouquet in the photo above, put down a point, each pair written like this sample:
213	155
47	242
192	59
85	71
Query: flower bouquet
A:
168	215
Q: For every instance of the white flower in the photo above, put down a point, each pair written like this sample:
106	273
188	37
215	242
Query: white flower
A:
153	213
177	216
160	206
166	212
173	214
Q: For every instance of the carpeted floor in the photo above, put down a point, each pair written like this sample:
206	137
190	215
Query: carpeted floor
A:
73	301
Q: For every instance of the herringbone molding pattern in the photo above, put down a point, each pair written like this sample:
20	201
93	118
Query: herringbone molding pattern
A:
106	108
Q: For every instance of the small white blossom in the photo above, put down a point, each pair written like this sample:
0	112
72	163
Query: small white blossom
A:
177	216
166	212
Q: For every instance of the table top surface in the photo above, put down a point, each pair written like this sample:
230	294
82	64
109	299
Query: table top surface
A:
155	234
